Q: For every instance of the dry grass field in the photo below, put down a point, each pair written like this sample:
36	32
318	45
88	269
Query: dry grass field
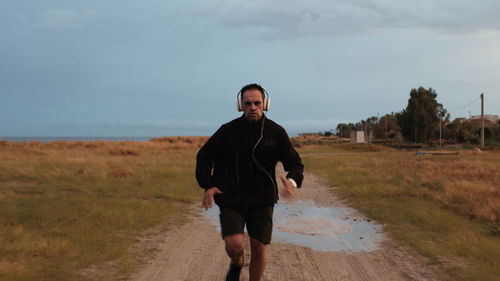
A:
67	207
70	208
445	207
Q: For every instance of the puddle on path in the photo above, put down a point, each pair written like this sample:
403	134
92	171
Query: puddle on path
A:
321	228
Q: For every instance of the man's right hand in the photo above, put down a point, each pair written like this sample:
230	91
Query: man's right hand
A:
208	199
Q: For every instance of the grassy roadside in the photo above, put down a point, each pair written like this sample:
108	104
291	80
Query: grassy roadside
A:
66	207
446	208
69	206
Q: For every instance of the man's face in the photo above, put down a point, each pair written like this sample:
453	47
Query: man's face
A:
253	105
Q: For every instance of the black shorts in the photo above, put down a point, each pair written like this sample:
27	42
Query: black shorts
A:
259	222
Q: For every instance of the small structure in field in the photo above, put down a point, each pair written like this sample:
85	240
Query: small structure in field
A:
357	137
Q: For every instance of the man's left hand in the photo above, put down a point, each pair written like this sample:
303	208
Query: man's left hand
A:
289	190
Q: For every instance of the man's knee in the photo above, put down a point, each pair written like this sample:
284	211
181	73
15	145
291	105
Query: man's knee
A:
234	243
257	247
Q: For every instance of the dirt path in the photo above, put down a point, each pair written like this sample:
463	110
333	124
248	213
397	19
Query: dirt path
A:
195	252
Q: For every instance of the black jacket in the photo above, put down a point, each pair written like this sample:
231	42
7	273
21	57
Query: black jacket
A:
226	162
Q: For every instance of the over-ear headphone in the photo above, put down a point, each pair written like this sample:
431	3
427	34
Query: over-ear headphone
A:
267	100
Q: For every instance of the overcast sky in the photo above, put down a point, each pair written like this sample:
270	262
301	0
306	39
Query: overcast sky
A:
154	68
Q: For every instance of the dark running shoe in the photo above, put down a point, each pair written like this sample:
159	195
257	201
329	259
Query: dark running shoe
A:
233	273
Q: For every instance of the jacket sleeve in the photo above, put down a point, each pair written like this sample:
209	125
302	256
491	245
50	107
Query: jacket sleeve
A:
205	161
291	160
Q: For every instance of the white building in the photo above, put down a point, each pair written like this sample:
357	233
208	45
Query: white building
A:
357	137
487	118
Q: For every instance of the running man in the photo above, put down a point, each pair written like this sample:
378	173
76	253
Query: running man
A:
236	167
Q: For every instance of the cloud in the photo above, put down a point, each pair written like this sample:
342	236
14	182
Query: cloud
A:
296	18
62	19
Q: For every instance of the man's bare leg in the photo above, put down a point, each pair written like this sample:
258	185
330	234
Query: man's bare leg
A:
234	248
258	259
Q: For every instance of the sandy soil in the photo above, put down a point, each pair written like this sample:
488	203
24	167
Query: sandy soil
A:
195	252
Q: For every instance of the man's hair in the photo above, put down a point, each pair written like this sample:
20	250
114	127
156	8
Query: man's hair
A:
253	86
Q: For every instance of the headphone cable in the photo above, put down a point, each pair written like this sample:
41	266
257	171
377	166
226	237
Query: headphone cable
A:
257	162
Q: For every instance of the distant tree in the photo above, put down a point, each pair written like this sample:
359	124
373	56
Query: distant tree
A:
496	130
370	124
445	118
359	126
492	131
420	118
344	130
462	131
386	124
372	121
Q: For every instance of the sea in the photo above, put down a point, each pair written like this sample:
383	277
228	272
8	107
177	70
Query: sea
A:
49	139
136	138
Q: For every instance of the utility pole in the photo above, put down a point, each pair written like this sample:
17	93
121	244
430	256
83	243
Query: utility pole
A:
415	110
440	126
482	120
369	131
386	126
365	129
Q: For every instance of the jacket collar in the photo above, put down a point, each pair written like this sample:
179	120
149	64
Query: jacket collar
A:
249	125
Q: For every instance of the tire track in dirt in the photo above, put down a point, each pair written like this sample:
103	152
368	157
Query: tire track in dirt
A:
195	252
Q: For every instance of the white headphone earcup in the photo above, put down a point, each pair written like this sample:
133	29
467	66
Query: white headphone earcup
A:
267	104
238	104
